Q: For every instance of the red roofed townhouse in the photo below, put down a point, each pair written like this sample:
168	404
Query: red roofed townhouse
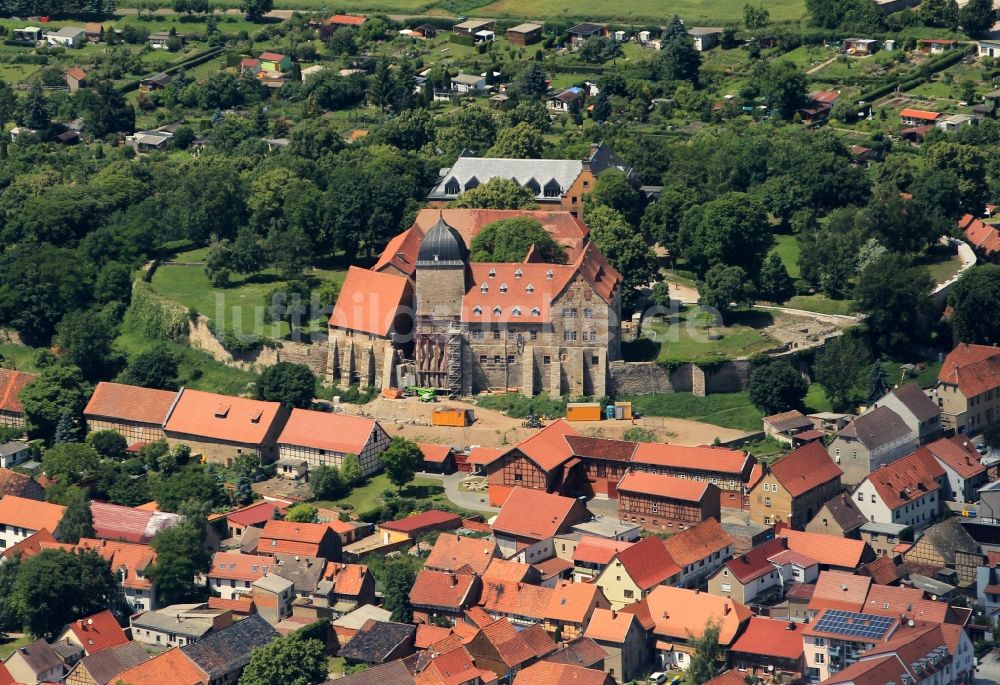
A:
570	607
461	554
832	552
918	117
634	571
679	614
372	309
962	466
840	591
135	413
232	574
416	525
623	639
968	388
592	554
127	524
303	539
501	648
442	596
521	603
528	520
21	518
769	648
547	672
11	384
665	503
171	667
604	461
352	586
223	428
907	492
751	577
795	487
253	516
20	485
451	666
699	551
985	238
94	633
544	462
129	565
437	458
727	469
30	546
323	439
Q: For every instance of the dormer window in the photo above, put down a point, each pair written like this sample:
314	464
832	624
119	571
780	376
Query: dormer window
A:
257	417
477	311
535	311
503	287
497	311
517	273
221	411
452	187
530	289
553	189
472	183
493	273
533	186
484	288
516	311
549	274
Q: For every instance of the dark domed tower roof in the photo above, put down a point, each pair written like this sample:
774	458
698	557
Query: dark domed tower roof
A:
441	248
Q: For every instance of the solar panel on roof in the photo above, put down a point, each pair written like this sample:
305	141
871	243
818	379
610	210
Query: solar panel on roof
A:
852	624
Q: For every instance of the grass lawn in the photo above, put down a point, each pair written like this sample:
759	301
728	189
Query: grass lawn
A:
942	263
7	648
925	379
22	357
821	304
693	11
685	338
335	665
816	400
787	247
728	410
767	450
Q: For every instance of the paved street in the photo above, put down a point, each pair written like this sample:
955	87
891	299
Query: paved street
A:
988	672
478	501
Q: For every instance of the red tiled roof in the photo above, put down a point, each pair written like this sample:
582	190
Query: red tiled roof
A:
115	522
981	235
236	566
29	546
828	550
973	368
348	579
882	571
667	487
601	448
795	558
98	631
806	468
730	677
221	417
432	519
14	483
718	459
595	550
30	514
434	454
11	384
548	447
766	636
481	456
607	625
958	454
347	20
679	613
535	514
428	635
788	421
756	562
516	647
260	512
249	62
441	589
648	563
76	73
504	570
130	403
127	559
547	673
401	252
242	606
452	552
169	668
910	113
5	677
510	597
321	430
287	537
906	479
272	56
838	590
369	300
698	542
572	602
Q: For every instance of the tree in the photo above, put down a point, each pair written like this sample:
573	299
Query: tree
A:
70	462
777	387
77	521
497	193
678	60
839	367
401	459
180	556
623	246
878	383
968	163
522	141
732	229
705	658
105	110
973	303
9	619
301	513
35	111
66	430
255	9
326	482
850	15
55	587
894	294
781	84
977	17
108	444
291	384
991	438
532	81
114	282
613	189
397	580
940	13
290	660
87	342
602	107
153	368
661	221
191	483
290	249
724	287
755	16
775	283
350	470
58	390
509	240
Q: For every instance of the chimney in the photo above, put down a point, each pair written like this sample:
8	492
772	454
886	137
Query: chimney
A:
726	609
697	591
454	580
614	614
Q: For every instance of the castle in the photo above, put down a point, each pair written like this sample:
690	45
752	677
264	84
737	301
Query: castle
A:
426	315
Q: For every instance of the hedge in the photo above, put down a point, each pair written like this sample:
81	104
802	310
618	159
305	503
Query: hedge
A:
155	316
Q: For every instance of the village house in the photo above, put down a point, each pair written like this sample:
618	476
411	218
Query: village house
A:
659	502
830	551
342	589
442	596
570	607
794	488
837	638
524	34
962	466
604	462
872	440
549	672
67	37
839	590
635	570
579	34
908	491
566	101
530	518
103	667
679	614
11	384
589	554
76	78
536	463
223	654
783	426
437	458
36	662
918	117
378	642
968	388
94	633
272	597
458	553
987	583
467	83
946	551
221	428
323	439
917	410
839	516
232	574
21	518
769	648
169	666
14	483
254	515
883	538
502	649
751	577
129	524
727	469
308	539
985	240
699	551
623	639
129	563
178	624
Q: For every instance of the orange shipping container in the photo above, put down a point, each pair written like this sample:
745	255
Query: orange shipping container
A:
583	411
450	416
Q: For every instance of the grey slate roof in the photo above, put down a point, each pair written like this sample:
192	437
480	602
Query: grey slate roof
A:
108	663
947	537
12	447
914	399
376	641
586	29
228	650
845	512
556	172
881	426
40	656
69	32
583	651
303	572
392	673
442	247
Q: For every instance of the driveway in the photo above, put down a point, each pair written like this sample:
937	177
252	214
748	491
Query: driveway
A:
988	672
477	501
